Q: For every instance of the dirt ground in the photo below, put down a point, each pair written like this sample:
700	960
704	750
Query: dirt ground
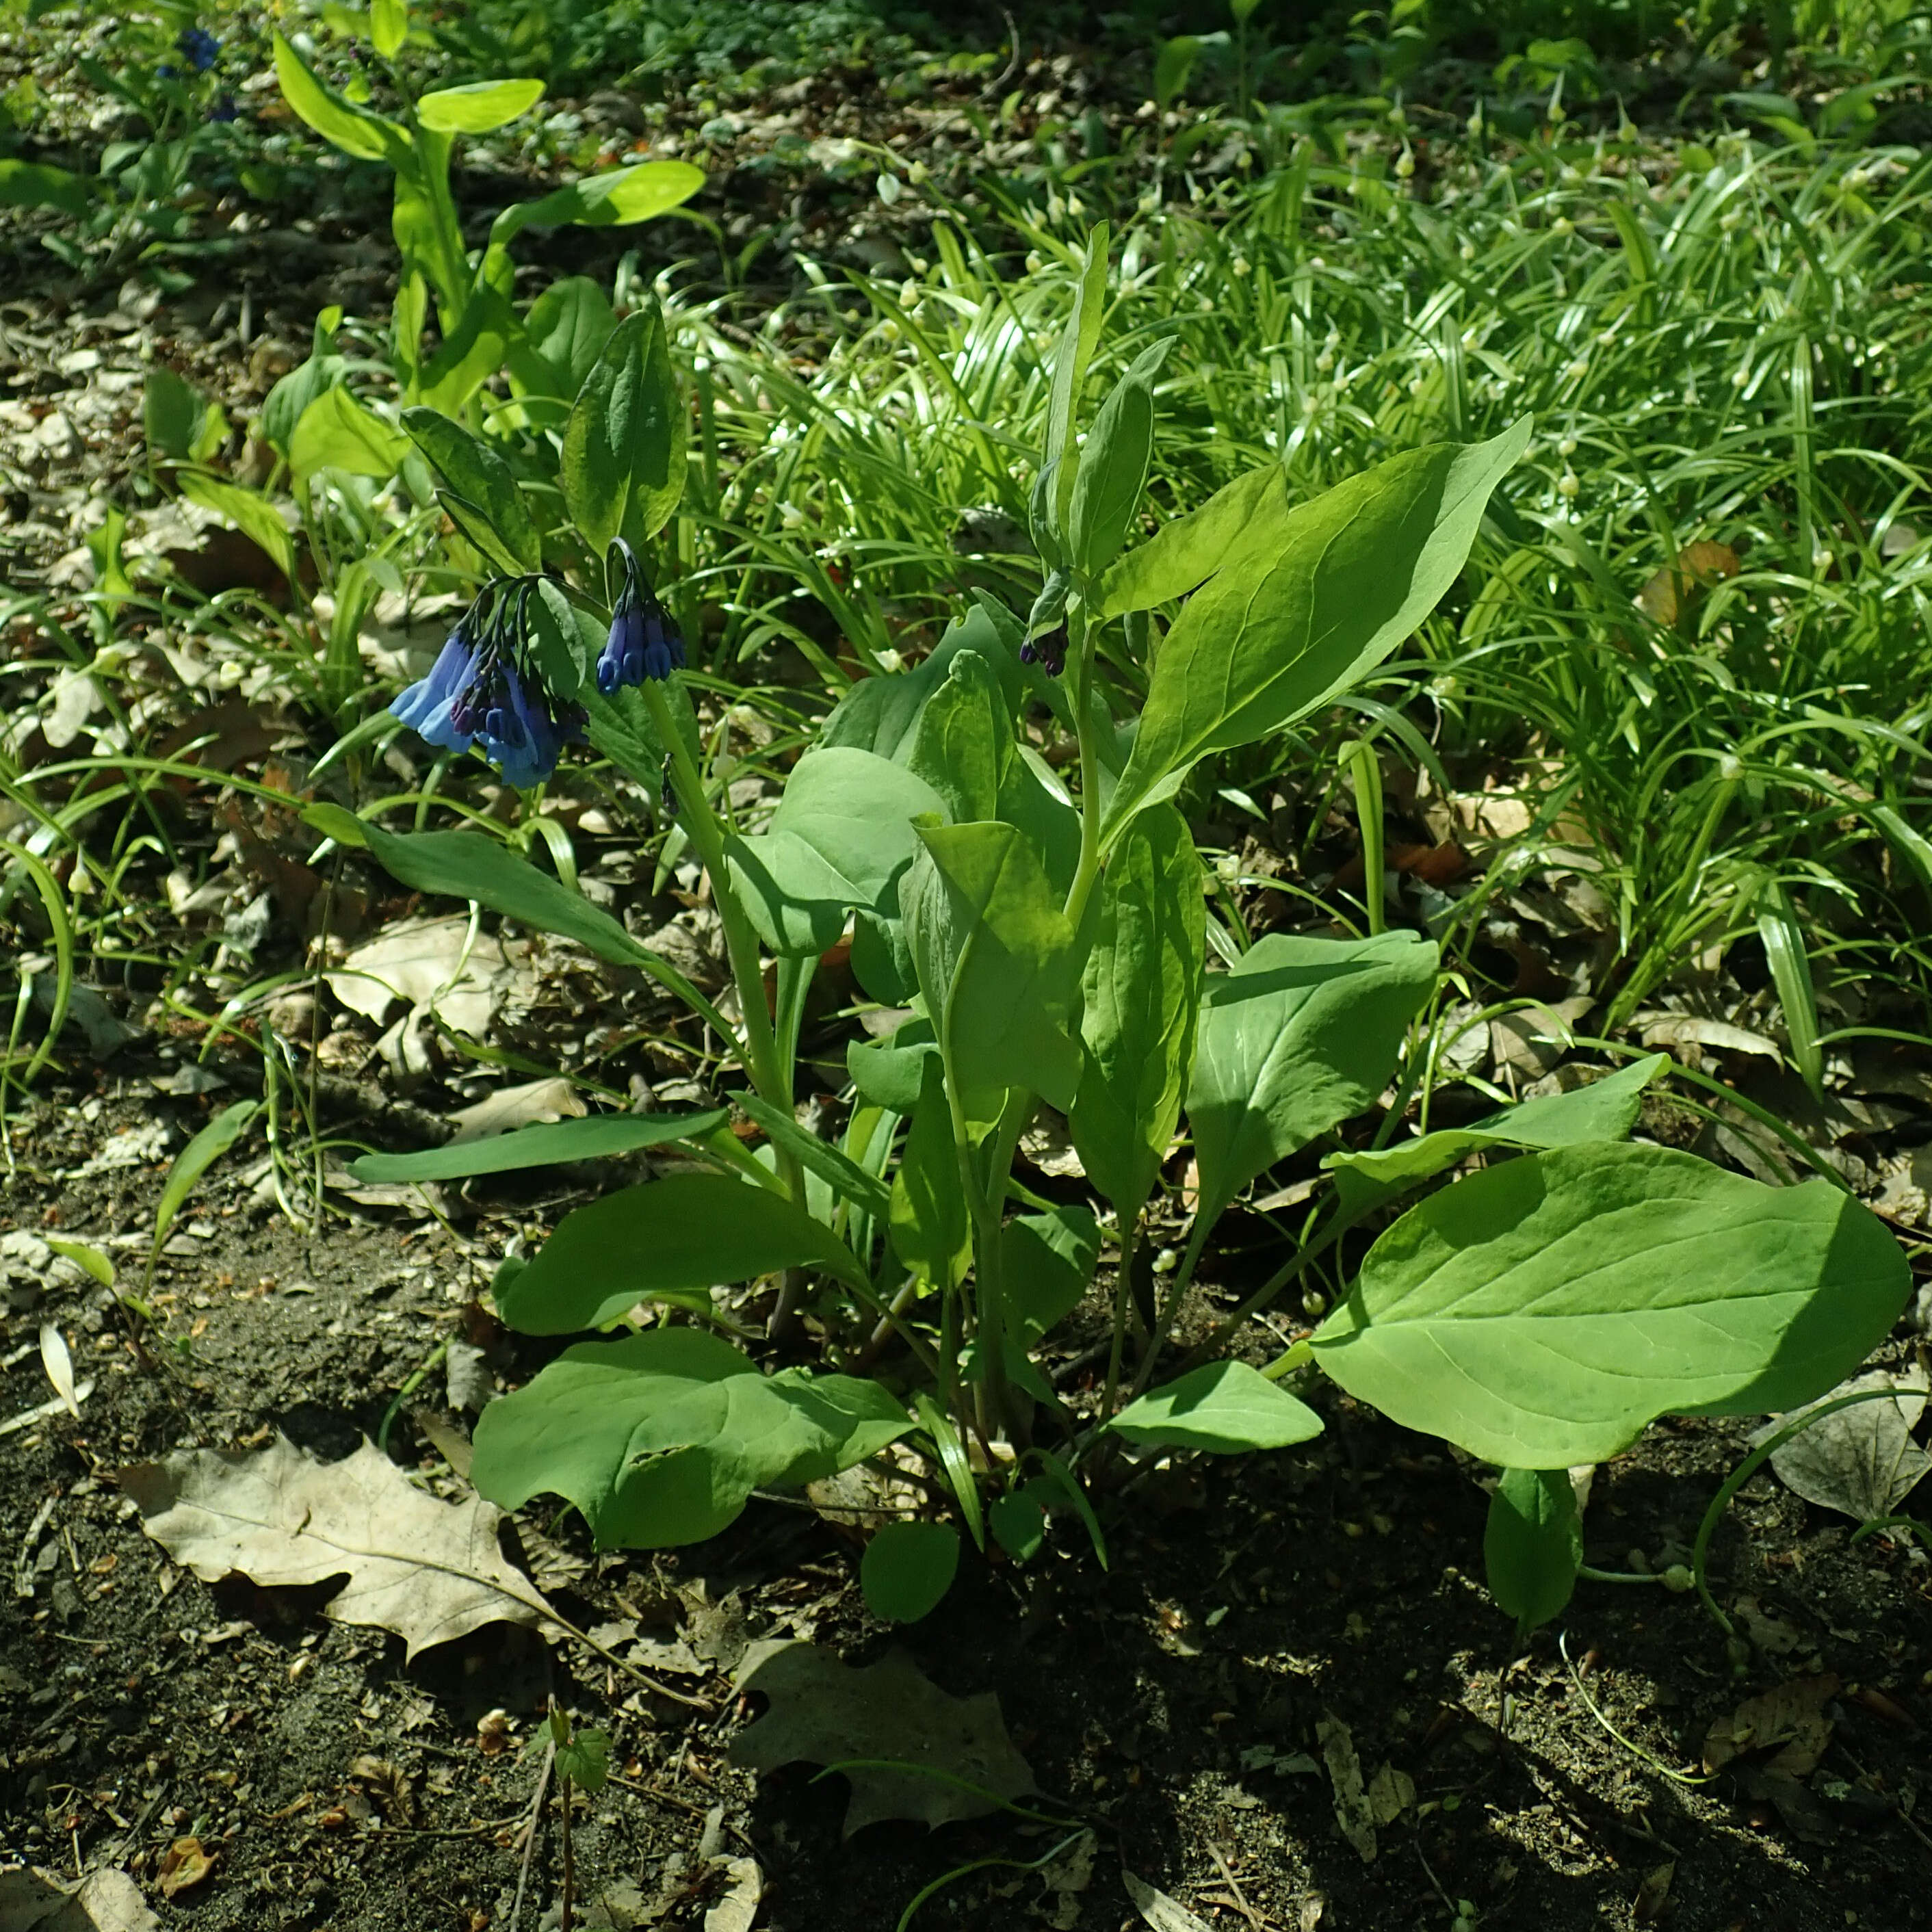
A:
1180	1705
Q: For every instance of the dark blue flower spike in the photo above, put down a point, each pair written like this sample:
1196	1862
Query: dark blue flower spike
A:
643	642
198	47
484	692
1049	651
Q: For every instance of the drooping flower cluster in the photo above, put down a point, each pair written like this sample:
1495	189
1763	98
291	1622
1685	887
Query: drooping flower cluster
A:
643	642
484	692
198	47
1047	651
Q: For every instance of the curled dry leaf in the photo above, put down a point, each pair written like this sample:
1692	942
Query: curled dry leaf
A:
186	1864
1352	1810
1788	1719
34	1900
59	1366
429	1570
736	1910
1862	1460
1163	1913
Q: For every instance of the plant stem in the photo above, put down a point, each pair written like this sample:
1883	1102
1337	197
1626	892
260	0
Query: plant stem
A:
1080	648
565	1919
1122	1290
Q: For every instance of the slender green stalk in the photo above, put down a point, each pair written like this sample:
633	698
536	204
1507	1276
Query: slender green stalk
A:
1080	649
1123	1288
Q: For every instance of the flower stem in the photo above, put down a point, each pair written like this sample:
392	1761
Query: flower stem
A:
1080	650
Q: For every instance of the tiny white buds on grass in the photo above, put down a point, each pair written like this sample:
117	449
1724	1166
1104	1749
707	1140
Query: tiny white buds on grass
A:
1467	251
1567	484
1033	263
1241	265
1405	165
1567	447
1562	225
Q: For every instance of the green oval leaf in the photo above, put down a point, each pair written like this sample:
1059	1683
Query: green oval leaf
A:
1540	1313
906	1568
543	1143
623	465
671	1239
1224	1407
354	130
481	478
661	1437
1533	1544
477	107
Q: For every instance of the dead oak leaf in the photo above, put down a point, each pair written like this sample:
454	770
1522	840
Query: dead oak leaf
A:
1789	1718
429	1570
908	1750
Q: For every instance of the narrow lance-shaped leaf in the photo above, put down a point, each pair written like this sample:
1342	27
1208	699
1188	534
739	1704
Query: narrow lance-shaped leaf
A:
1540	1313
1142	995
1077	344
1114	465
355	130
477	107
544	1144
1316	597
931	1232
196	1159
482	477
623	462
1223	1407
1300	1034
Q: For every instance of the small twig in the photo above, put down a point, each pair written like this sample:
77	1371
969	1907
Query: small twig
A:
530	1831
1248	1912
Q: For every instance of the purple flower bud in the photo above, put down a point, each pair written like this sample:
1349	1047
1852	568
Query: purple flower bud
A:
198	47
1049	651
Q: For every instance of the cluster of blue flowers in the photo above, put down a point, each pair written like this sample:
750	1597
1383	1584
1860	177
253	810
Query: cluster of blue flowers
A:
485	692
643	641
198	47
1047	651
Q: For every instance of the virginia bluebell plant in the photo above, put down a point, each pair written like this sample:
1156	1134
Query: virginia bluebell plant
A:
643	641
485	693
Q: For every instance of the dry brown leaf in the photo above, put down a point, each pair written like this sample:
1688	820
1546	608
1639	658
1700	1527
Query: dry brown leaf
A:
430	1571
1861	1461
427	964
548	1100
826	1712
1671	591
186	1864
1352	1811
1790	1718
736	1910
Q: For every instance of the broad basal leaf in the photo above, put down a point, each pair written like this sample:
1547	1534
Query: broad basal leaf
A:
1540	1313
1225	1407
1300	1034
661	1437
996	963
623	464
669	1239
1532	1544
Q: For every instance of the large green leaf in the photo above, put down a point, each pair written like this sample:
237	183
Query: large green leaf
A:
336	432
931	1232
1224	1407
996	962
481	477
841	836
40	185
1533	1544
563	335
1047	1262
1605	1110
1314	597
477	107
289	401
667	1239
1142	985
1183	553
609	200
907	1567
962	742
252	514
543	1143
1540	1313
661	1437
354	130
623	463
1299	1035
890	1072
882	714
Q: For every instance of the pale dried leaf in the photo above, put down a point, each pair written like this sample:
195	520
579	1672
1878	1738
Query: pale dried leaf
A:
430	1571
34	1900
1162	1913
59	1366
1861	1461
736	1911
422	962
518	1106
1788	1719
1352	1812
